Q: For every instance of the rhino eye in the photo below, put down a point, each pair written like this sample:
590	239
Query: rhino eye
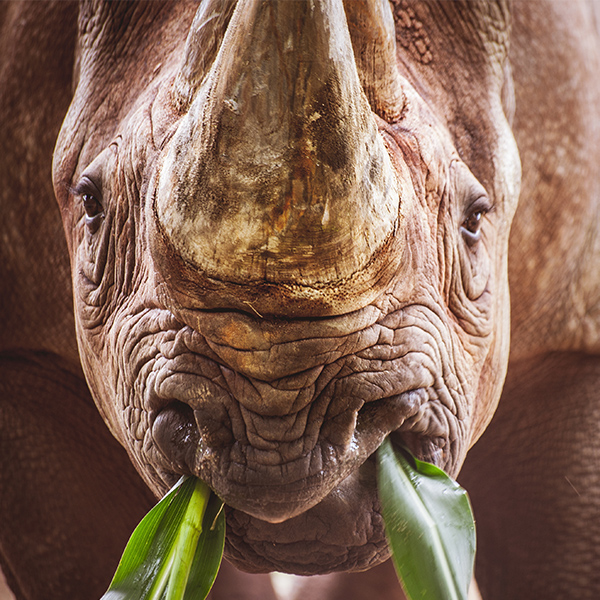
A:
94	212
91	206
92	203
471	226
473	223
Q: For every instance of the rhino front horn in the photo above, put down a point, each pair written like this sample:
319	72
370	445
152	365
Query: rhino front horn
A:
276	187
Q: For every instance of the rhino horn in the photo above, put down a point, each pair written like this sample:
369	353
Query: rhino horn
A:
373	33
277	178
201	47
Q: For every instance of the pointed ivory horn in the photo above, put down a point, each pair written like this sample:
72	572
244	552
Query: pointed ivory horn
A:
201	47
373	33
278	174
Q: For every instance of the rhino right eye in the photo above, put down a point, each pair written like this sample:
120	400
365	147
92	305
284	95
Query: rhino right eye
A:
91	206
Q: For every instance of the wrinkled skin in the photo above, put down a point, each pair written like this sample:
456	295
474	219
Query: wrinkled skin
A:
277	396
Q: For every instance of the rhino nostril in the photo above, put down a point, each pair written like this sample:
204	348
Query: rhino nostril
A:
176	435
389	414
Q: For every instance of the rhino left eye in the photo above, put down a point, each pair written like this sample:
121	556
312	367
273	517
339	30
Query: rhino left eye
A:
92	204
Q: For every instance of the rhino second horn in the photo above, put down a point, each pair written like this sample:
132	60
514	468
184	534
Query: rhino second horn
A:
278	175
201	47
373	32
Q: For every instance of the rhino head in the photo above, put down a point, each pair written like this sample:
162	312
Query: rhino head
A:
288	236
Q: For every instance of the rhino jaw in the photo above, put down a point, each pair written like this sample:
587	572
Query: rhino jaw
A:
277	185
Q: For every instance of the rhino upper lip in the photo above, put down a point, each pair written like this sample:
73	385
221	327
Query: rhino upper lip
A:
266	494
209	438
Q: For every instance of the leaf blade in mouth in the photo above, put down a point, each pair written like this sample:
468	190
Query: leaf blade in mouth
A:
429	524
176	550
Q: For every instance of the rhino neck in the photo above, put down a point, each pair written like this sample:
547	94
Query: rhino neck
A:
277	184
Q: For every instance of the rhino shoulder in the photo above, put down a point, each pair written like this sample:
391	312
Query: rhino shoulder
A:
554	259
37	42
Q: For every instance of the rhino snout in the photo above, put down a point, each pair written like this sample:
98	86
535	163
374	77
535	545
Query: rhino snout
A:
272	448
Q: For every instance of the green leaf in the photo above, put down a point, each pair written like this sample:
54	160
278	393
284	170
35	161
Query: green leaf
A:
176	550
429	524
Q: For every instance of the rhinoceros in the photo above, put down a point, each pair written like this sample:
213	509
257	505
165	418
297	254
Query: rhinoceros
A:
250	240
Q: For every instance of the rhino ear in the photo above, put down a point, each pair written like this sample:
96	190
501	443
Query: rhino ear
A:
201	48
373	33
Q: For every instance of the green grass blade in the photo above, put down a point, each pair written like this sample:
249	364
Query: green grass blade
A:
209	552
429	525
189	534
141	561
160	558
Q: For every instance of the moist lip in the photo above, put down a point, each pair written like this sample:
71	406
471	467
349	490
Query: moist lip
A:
188	449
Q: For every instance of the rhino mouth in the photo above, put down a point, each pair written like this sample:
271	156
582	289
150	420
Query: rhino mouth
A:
279	517
260	482
291	450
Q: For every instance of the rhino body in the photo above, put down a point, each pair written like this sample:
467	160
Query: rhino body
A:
249	241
